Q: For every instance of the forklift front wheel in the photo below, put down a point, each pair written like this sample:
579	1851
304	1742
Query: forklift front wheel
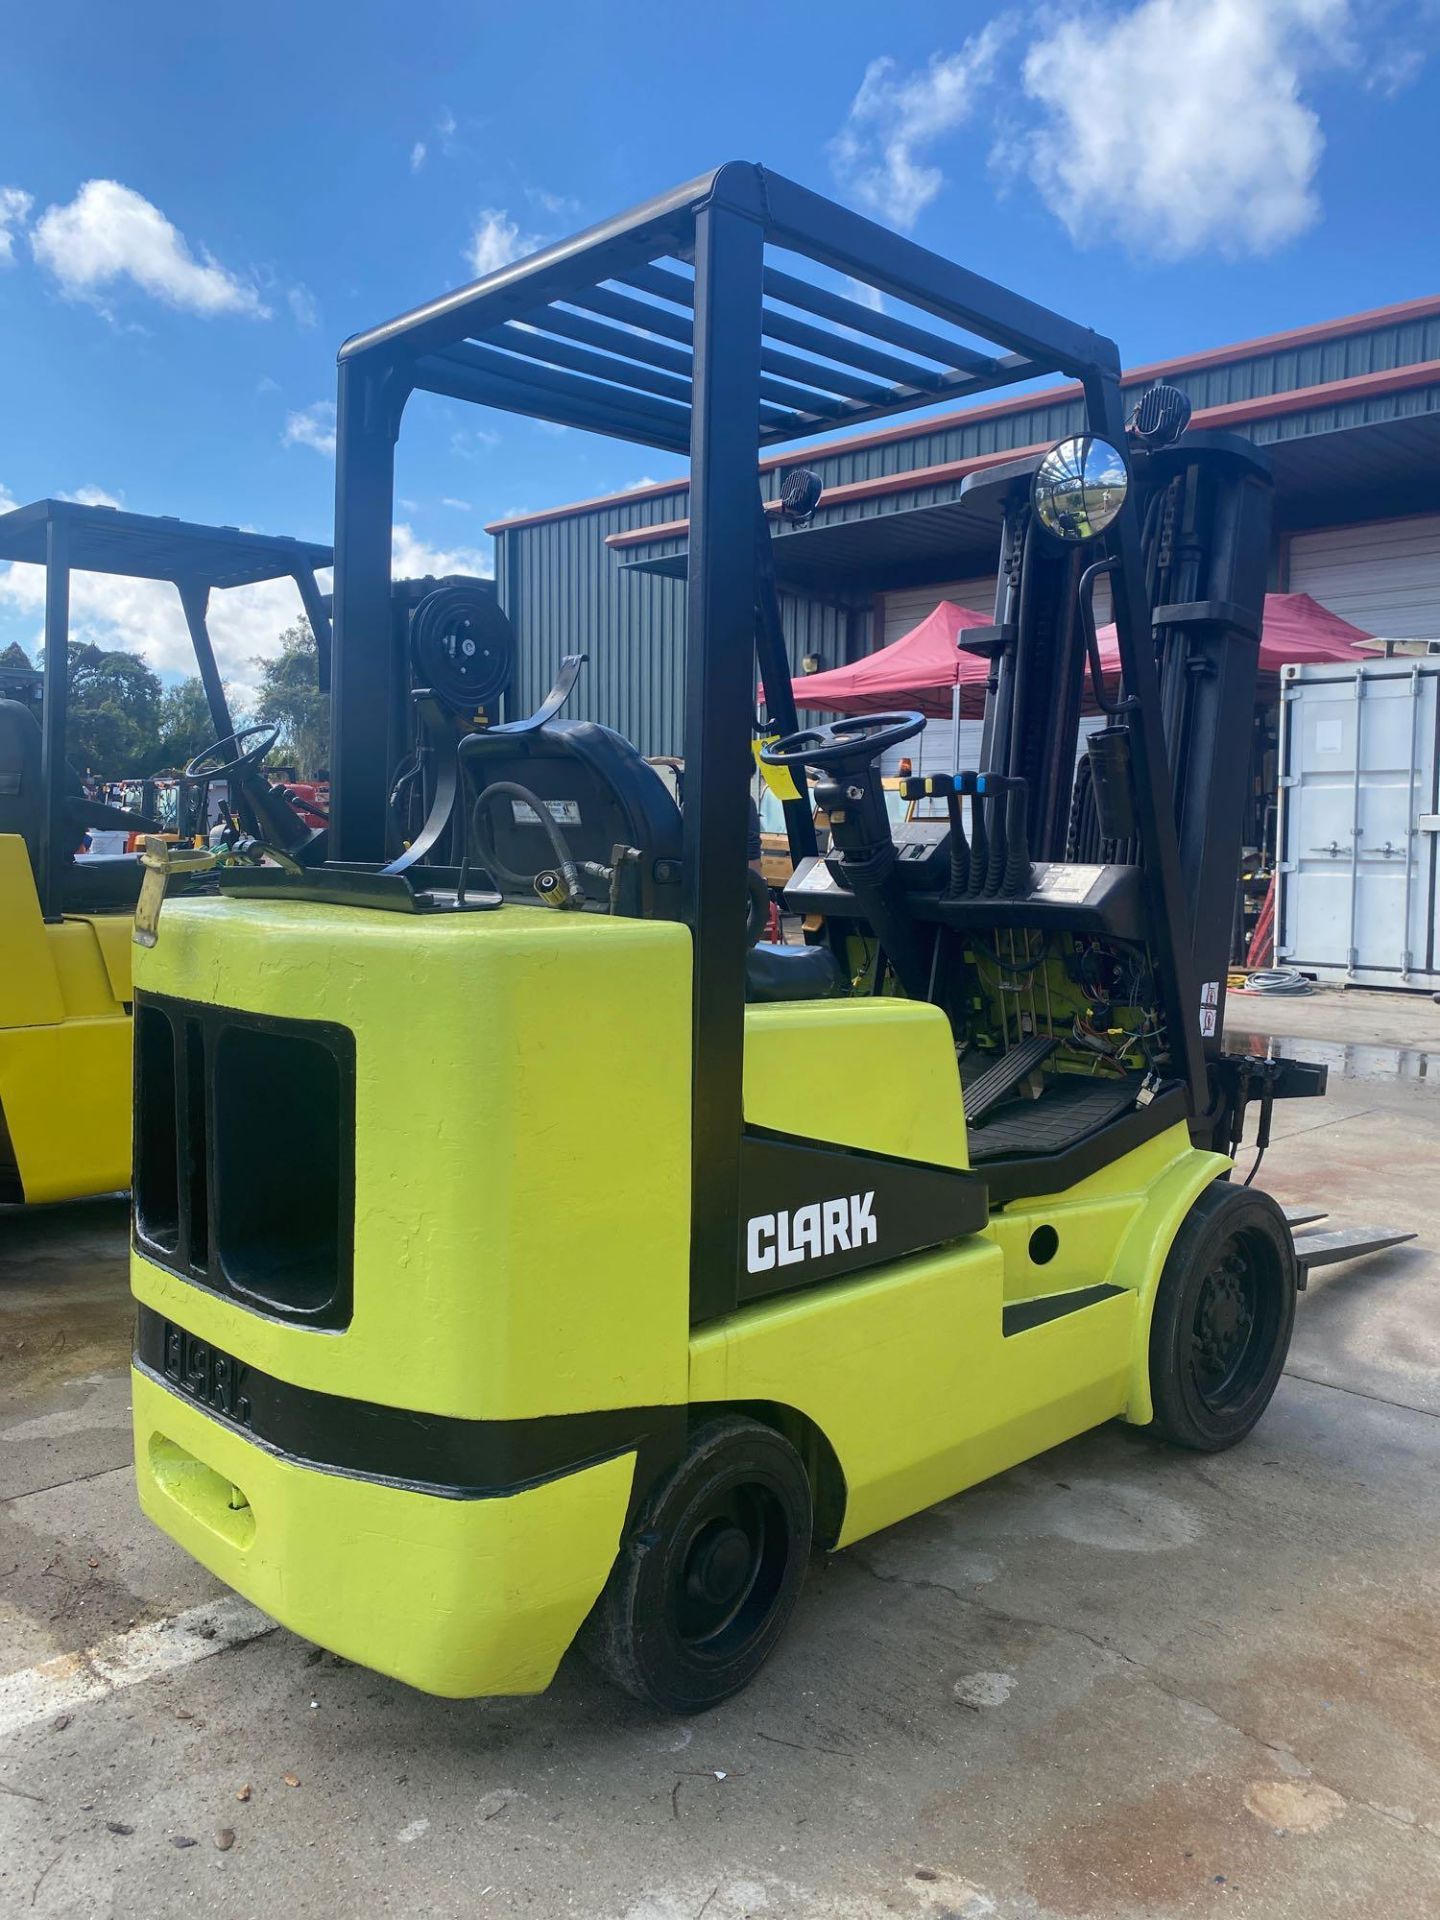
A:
709	1574
1223	1315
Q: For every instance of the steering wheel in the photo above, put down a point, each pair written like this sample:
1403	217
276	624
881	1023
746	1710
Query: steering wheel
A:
844	743
241	759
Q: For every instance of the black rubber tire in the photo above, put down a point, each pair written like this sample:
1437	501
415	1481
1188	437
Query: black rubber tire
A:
652	1630
1223	1316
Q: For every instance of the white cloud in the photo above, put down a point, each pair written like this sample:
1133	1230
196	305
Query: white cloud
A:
895	118
303	305
417	156
1180	124
1392	67
14	206
8	502
469	442
109	233
496	241
460	506
867	295
445	125
144	617
553	204
411	558
94	497
313	427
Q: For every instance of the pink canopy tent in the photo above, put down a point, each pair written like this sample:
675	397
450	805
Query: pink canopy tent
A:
1296	632
921	670
924	669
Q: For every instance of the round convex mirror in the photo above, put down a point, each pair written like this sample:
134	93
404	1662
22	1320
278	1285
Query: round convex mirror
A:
1079	487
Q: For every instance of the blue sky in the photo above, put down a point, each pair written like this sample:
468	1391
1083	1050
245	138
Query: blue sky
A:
197	205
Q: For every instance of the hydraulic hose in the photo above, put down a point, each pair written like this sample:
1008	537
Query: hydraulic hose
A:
564	859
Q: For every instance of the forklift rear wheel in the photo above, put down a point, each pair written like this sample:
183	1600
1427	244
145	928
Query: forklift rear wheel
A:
708	1576
1223	1315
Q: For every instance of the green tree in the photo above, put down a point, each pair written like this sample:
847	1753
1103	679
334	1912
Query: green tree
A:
15	656
288	694
183	723
113	721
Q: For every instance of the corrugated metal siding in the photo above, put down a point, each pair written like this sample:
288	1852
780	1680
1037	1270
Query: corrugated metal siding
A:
1384	576
560	585
567	591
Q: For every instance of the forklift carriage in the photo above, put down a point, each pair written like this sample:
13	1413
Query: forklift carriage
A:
630	1256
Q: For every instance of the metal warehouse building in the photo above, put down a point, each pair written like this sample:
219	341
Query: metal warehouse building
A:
1349	411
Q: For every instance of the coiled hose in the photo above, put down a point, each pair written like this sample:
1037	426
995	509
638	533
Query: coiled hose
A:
1277	980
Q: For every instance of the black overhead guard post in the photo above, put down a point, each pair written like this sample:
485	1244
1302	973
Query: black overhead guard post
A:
719	702
313	602
367	420
56	697
195	599
776	683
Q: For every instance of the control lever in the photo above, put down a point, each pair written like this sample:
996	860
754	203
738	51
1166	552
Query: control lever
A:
940	786
1009	871
979	836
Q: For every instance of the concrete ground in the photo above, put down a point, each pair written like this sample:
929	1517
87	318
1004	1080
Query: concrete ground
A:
1119	1681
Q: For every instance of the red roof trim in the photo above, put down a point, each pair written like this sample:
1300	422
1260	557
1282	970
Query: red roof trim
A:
1361	386
1316	334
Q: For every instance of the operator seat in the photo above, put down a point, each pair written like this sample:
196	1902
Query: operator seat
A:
101	882
602	794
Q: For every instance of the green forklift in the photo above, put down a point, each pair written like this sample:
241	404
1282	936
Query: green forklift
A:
633	1258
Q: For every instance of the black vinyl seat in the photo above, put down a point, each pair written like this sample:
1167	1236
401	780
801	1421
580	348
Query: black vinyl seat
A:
602	794
774	973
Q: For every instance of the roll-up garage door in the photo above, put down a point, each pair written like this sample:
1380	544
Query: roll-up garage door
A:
906	610
1384	576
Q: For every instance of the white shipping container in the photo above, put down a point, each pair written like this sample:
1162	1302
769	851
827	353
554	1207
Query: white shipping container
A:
1359	829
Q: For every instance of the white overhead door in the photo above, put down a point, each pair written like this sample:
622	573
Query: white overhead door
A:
906	610
1384	576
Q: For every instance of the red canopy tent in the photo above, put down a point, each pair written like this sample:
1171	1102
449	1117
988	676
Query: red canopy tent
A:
920	670
1296	631
923	669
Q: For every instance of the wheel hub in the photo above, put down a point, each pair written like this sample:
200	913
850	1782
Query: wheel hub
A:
1225	1320
720	1565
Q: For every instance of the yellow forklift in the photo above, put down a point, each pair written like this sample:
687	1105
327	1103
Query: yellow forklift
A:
632	1258
66	916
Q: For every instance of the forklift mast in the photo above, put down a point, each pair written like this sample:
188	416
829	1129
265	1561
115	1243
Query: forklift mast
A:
1204	511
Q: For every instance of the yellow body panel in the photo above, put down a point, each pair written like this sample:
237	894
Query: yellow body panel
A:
877	1074
522	1149
458	1597
910	1376
64	1041
521	1249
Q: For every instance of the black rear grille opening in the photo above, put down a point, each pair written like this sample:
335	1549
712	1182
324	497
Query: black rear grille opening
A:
278	1119
157	1187
193	1147
245	1155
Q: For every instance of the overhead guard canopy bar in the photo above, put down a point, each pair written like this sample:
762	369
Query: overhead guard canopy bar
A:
597	331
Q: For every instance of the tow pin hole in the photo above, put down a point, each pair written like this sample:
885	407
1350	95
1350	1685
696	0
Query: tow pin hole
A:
1044	1245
